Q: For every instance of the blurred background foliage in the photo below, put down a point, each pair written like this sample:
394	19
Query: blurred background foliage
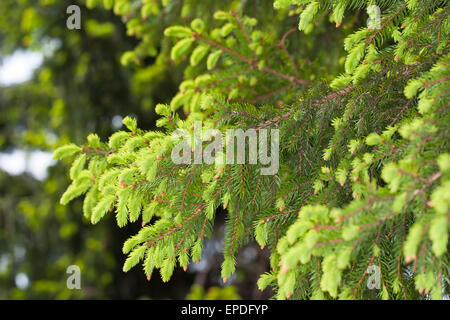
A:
80	87
213	293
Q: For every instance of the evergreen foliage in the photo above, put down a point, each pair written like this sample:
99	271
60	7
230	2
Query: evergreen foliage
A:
364	176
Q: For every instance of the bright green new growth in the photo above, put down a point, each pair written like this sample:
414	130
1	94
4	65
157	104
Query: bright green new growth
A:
364	176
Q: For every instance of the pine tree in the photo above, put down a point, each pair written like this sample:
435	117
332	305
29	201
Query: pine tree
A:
364	170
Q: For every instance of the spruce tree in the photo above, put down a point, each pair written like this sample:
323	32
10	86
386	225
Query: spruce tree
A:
359	92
